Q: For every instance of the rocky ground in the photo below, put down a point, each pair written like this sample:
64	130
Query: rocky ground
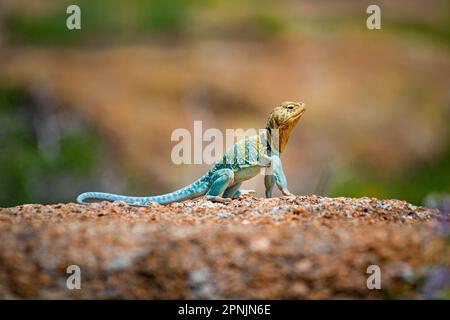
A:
281	248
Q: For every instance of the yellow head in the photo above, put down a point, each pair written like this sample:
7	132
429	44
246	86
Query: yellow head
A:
283	119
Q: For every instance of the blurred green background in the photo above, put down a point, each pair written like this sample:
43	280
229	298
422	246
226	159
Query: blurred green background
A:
94	109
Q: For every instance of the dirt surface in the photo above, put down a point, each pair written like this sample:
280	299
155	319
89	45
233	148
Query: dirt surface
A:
281	248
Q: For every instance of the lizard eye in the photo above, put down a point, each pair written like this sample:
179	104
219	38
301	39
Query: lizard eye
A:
290	107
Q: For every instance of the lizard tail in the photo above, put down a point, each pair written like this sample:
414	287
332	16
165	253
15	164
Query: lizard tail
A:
193	190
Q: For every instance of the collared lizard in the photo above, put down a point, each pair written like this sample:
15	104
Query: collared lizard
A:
241	162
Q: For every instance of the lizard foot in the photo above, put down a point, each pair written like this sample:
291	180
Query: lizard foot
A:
217	199
242	193
247	192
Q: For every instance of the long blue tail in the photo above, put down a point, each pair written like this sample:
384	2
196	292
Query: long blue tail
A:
194	190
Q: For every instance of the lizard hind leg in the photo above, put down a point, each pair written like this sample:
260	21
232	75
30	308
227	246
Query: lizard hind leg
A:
233	191
221	180
242	192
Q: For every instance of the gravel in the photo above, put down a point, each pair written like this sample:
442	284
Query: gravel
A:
304	247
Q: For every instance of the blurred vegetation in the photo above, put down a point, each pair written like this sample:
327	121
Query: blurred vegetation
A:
119	20
411	185
99	19
31	172
27	172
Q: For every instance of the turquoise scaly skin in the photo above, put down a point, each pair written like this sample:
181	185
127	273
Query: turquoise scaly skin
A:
241	162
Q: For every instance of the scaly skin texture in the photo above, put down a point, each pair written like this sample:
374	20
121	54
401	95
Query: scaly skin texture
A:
241	162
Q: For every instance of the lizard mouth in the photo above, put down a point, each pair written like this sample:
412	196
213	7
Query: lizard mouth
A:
297	115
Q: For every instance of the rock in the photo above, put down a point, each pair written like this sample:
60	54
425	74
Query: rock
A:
254	248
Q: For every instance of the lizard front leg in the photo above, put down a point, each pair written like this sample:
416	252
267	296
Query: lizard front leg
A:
278	177
269	182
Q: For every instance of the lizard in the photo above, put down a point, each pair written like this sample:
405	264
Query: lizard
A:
241	162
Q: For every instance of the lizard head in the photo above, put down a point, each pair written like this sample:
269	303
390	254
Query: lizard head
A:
283	119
